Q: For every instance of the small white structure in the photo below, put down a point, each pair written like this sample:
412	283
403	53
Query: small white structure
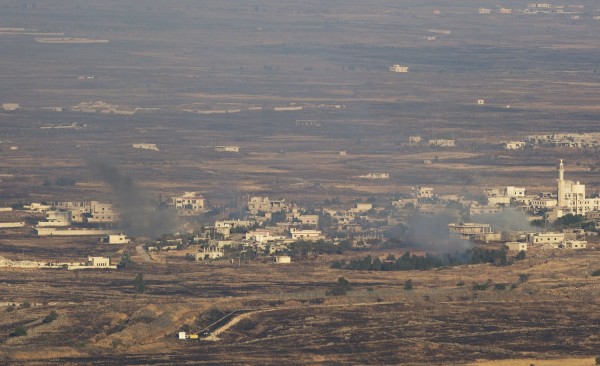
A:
182	336
442	143
376	176
305	234
145	146
480	101
56	219
116	239
11	106
514	145
398	68
229	148
485	11
98	262
515	246
212	252
11	225
505	11
283	259
414	139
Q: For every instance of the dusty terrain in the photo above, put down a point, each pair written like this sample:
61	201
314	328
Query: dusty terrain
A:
203	74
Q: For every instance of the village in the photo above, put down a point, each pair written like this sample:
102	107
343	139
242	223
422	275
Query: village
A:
507	218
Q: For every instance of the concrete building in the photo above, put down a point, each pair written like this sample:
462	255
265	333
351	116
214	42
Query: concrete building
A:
56	219
102	213
414	139
190	203
11	225
48	231
211	252
485	11
376	176
514	145
228	148
309	220
545	238
9	107
442	143
422	192
398	68
571	197
98	262
469	231
146	146
307	235
516	246
283	259
116	239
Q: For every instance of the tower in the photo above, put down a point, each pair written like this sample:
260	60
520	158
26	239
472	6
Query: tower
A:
561	184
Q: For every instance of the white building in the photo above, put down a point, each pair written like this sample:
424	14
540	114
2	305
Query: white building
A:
102	213
516	246
189	201
11	106
398	68
571	196
56	219
283	259
442	143
514	145
545	238
116	239
422	192
376	176
98	262
309	220
228	148
485	11
145	146
213	252
305	234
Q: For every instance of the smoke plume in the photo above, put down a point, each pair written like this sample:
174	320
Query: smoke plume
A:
139	216
509	219
431	233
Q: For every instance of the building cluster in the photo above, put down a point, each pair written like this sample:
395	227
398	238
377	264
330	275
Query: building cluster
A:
91	263
574	140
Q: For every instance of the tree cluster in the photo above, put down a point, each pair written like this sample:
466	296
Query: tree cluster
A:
408	262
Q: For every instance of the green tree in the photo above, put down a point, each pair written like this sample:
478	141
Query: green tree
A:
139	283
596	273
521	255
408	285
523	277
341	288
125	262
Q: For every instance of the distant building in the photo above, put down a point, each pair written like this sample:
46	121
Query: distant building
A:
469	231
422	192
116	239
442	143
190	203
229	148
305	234
146	147
398	68
414	139
516	246
309	220
545	238
376	176
283	259
212	252
485	11
11	106
505	11
514	145
98	262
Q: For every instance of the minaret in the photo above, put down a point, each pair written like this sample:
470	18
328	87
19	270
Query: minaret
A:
561	184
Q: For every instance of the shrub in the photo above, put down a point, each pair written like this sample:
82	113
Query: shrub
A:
499	287
50	317
19	332
460	283
408	285
596	273
341	287
139	284
598	360
523	277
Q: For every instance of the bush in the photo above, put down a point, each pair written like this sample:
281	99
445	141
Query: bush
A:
19	332
523	277
341	288
139	284
408	285
460	283
597	360
499	287
596	273
522	254
25	305
50	317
